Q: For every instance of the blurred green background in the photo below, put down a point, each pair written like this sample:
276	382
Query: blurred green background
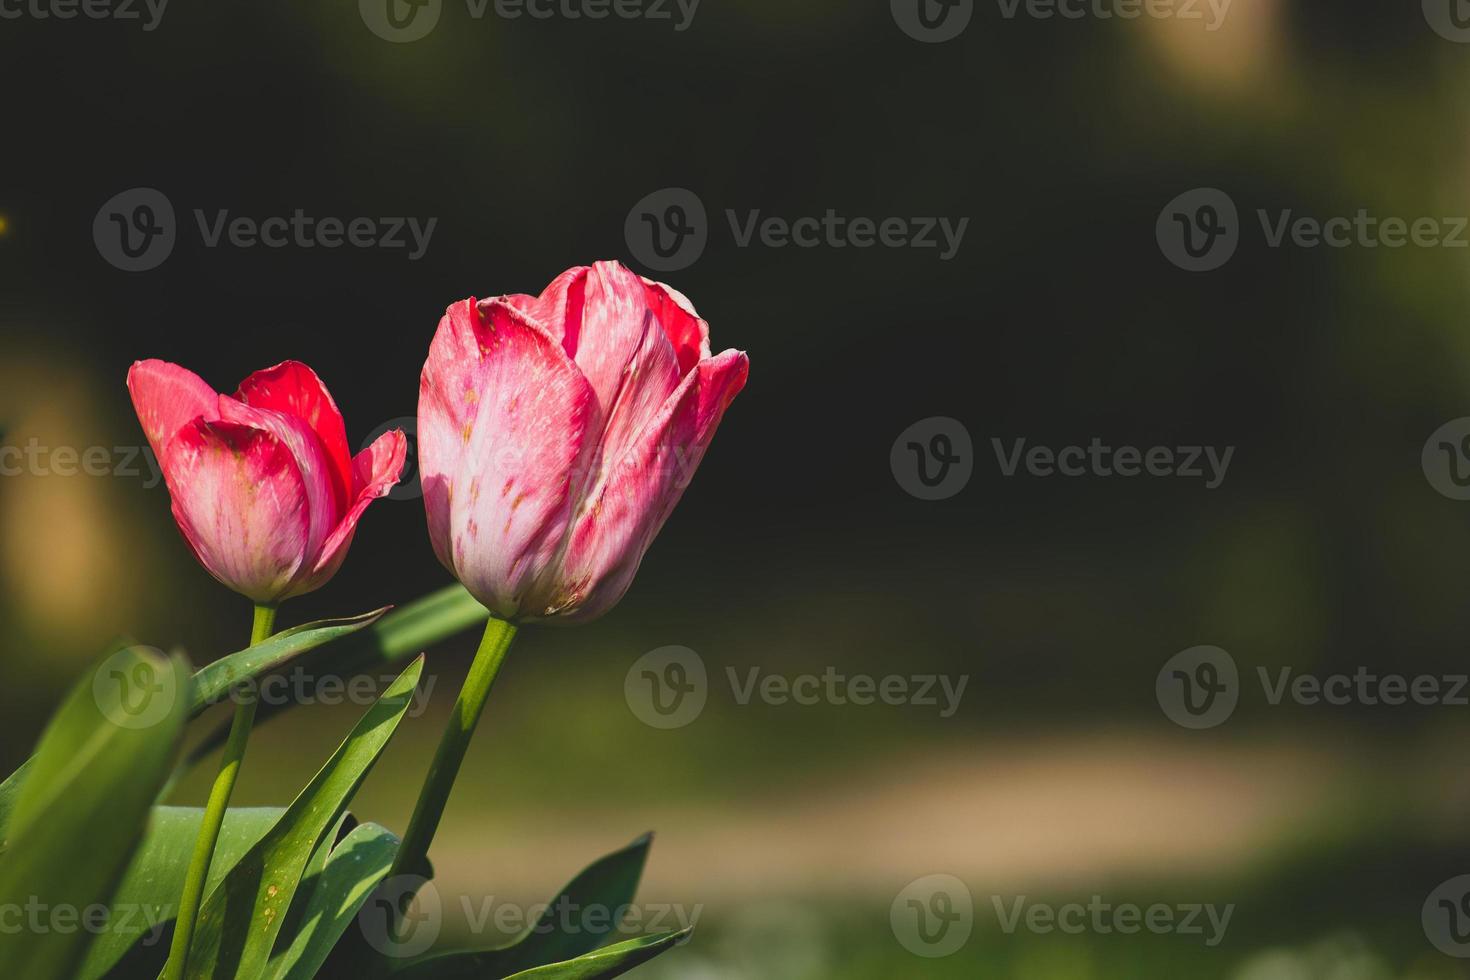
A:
792	830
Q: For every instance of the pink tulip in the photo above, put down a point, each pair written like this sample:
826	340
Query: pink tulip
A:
556	434
262	485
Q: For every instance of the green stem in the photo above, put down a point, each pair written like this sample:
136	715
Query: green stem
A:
413	853
214	813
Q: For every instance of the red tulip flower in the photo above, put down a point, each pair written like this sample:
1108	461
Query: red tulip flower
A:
557	432
262	485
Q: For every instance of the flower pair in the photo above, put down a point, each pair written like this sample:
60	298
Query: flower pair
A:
556	434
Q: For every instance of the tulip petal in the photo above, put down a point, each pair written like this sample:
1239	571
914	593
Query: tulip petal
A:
558	310
633	497
685	329
375	470
166	398
311	459
292	388
621	340
504	421
239	500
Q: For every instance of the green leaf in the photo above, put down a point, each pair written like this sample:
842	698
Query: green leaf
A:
403	632
214	682
240	920
611	961
81	812
9	792
352	872
147	899
607	884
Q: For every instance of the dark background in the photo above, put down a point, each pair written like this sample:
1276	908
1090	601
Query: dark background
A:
1060	319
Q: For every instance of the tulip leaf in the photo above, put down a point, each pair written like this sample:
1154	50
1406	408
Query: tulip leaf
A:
85	802
147	898
352	871
610	961
214	681
593	904
403	632
240	920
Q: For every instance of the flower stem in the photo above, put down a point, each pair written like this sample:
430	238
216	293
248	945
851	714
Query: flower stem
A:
413	853
214	812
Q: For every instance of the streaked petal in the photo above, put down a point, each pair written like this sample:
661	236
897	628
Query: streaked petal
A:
311	459
621	341
686	331
166	398
558	310
504	417
622	514
292	388
375	470
239	500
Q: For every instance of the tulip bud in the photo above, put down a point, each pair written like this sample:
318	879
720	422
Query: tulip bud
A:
263	488
557	432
